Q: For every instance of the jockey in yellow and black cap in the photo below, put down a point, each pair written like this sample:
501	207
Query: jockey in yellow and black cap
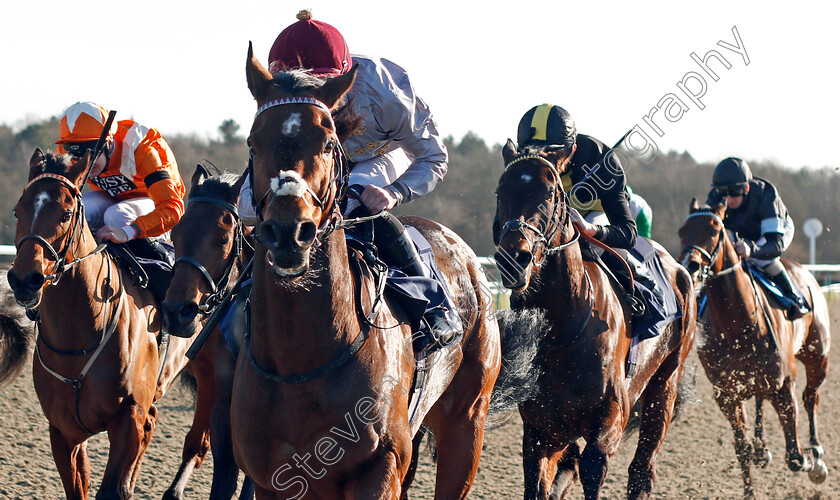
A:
591	174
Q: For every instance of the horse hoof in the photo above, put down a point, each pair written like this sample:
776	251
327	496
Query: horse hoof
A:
818	474
818	451
762	458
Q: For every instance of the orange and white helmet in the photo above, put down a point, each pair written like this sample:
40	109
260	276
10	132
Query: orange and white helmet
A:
83	122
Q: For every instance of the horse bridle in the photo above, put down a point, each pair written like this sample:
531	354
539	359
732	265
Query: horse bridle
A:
340	179
61	266
709	258
218	290
542	239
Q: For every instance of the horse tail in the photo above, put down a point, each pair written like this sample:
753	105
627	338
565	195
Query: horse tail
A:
16	341
520	333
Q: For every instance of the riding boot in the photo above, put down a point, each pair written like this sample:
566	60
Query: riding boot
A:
633	297
396	248
799	305
146	248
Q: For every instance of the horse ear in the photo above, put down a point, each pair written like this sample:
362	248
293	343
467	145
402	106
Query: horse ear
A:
334	89
37	163
237	187
199	176
259	79
76	171
508	151
694	206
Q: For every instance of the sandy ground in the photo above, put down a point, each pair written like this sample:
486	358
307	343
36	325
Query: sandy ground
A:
696	461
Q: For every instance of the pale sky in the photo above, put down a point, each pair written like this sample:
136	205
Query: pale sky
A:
179	65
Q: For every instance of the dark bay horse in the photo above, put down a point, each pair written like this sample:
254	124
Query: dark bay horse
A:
97	363
584	391
210	249
321	393
750	349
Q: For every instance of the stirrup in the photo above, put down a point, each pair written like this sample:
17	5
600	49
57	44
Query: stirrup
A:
637	307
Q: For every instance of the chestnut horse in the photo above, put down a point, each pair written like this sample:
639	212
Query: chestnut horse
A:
96	364
210	248
583	390
750	349
321	392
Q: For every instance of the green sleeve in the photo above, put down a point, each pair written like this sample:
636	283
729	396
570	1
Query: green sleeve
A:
644	221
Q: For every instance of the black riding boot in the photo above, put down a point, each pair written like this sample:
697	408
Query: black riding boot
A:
148	249
799	306
395	248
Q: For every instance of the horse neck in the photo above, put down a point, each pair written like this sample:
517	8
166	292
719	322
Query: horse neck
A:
295	329
732	300
563	272
72	311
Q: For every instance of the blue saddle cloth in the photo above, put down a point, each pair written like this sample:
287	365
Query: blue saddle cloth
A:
658	312
762	279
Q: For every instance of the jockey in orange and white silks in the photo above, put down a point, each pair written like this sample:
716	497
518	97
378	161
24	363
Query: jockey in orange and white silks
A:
137	189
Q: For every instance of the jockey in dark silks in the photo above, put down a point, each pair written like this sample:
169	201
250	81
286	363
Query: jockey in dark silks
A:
758	216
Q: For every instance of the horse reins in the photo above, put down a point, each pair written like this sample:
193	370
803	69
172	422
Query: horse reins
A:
218	290
712	257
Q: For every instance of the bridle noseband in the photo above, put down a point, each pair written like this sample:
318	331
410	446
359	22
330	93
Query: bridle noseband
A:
217	289
340	179
542	240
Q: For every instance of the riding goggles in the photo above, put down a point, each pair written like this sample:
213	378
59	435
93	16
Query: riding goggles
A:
733	190
78	149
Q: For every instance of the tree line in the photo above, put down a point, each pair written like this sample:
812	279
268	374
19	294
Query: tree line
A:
464	200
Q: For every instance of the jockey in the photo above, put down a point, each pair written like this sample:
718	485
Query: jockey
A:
756	213
594	180
137	189
641	212
396	153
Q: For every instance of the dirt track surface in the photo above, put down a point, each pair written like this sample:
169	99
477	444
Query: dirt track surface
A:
696	461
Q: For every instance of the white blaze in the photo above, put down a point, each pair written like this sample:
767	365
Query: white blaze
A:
292	125
40	200
289	183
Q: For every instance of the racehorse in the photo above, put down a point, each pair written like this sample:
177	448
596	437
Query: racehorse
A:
97	362
210	248
584	389
750	349
321	391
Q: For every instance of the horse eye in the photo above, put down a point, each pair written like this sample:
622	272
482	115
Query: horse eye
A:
14	212
66	216
329	147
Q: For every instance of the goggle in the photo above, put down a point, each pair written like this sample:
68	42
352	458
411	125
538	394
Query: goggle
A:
734	190
78	149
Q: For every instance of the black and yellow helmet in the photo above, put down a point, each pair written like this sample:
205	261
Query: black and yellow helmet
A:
546	124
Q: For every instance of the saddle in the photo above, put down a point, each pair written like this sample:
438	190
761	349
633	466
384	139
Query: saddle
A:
149	264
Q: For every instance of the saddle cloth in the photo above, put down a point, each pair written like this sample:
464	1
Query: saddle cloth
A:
659	311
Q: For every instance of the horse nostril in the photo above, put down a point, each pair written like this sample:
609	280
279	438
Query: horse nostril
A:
522	259
306	233
34	281
268	234
12	279
693	266
187	313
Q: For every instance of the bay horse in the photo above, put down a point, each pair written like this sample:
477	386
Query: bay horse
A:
210	251
750	349
97	362
583	390
321	392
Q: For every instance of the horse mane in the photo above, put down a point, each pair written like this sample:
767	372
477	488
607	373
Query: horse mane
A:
215	187
56	163
532	149
297	81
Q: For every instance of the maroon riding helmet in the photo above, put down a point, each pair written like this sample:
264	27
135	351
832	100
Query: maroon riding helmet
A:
310	44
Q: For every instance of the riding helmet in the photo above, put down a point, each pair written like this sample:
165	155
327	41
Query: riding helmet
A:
546	124
82	122
310	44
731	171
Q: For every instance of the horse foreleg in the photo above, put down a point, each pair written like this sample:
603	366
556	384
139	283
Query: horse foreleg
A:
816	370
657	404
225	470
761	456
197	441
380	481
73	465
736	414
539	461
567	472
784	402
128	433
